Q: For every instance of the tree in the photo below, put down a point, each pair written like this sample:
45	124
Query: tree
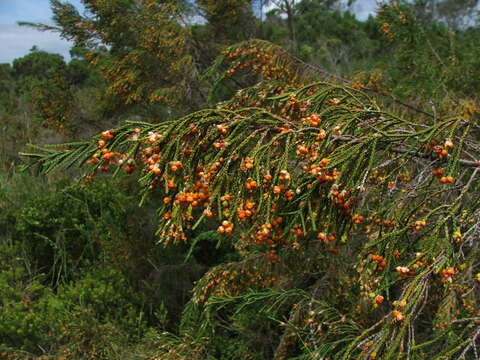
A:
333	38
230	20
43	83
356	227
287	7
456	14
291	8
7	89
428	60
141	47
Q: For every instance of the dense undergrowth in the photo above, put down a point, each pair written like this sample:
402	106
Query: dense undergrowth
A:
74	285
308	195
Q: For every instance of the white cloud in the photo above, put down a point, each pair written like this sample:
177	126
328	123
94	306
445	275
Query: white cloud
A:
18	40
12	11
364	8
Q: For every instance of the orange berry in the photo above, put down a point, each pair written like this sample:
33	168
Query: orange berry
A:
156	170
284	175
175	165
447	179
324	162
129	168
397	315
321	135
208	213
302	150
272	256
289	195
448	143
107	134
221	129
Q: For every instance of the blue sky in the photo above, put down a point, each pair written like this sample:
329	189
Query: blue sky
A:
16	41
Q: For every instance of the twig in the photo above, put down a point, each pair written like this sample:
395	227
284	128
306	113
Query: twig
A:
459	321
349	82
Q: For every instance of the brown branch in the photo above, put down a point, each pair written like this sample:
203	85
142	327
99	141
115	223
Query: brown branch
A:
398	101
402	150
288	338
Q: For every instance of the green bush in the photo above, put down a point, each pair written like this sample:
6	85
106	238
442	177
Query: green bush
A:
79	270
63	229
80	320
26	317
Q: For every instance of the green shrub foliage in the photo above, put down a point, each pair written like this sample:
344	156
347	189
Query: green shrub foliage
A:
319	204
368	217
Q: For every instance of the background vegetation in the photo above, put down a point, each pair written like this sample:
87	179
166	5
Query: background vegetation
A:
307	183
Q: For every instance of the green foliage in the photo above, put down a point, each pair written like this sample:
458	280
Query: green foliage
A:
108	294
44	97
43	82
64	231
336	40
148	61
430	60
7	103
37	64
77	270
300	218
457	14
86	319
22	326
230	20
322	183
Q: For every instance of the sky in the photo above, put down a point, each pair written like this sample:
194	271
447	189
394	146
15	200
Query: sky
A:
362	8
16	41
